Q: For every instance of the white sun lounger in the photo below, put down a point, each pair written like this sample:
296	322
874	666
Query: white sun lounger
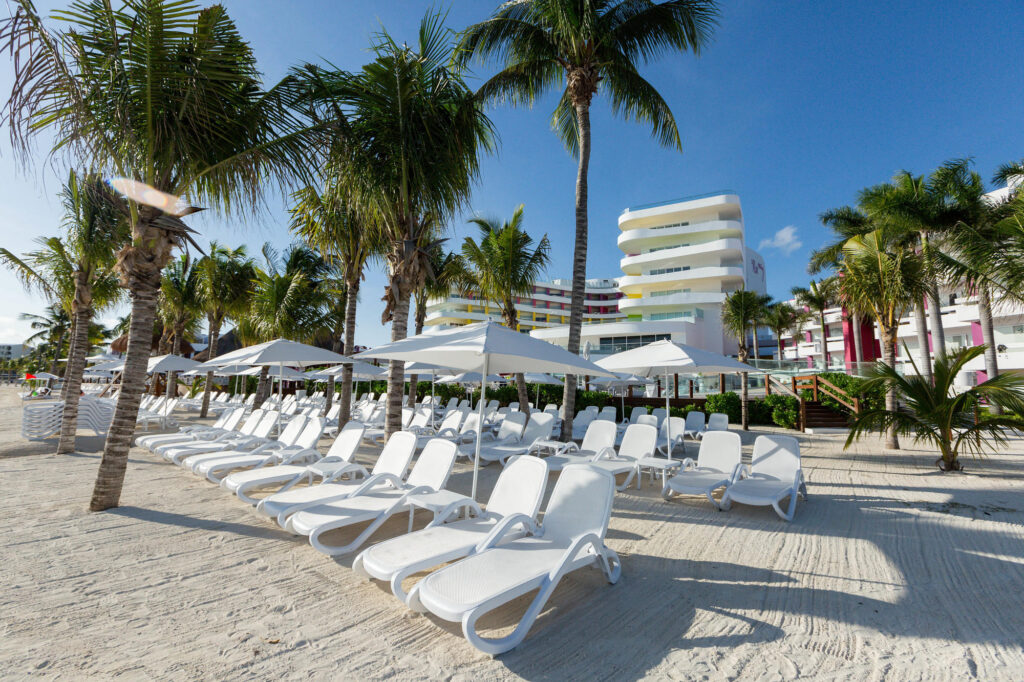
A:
571	537
256	428
516	498
254	444
773	475
227	421
337	462
429	474
539	429
288	449
717	465
638	442
600	436
392	463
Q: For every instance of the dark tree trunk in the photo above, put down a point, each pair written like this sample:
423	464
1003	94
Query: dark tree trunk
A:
73	377
352	296
263	387
210	355
396	369
71	353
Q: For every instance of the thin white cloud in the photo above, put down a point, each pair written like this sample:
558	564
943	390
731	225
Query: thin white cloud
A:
785	240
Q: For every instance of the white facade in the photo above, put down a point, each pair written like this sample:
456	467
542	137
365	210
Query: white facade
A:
11	351
681	258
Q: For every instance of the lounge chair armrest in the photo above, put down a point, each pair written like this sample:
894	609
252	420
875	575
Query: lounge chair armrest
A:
742	471
578	544
503	527
545	444
604	453
465	503
688	463
290	456
376	479
349	468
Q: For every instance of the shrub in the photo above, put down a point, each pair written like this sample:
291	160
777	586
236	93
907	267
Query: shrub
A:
759	412
785	410
727	403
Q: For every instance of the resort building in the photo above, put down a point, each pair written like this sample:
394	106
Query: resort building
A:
547	306
11	351
680	259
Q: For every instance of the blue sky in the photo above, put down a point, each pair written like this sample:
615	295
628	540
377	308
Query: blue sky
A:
795	105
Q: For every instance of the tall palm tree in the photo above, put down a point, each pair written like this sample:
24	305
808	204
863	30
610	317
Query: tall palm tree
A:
818	297
780	318
180	305
885	275
50	329
414	136
225	277
740	309
167	94
329	223
505	265
586	44
845	222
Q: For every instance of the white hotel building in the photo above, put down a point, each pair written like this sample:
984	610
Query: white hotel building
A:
680	259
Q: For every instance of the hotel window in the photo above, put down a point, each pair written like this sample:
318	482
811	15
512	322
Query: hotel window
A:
667	316
665	271
669	292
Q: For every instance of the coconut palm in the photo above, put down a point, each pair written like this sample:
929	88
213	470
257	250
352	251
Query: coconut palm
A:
50	329
740	309
943	415
167	94
586	44
180	306
505	265
780	318
885	275
414	135
845	222
818	297
224	279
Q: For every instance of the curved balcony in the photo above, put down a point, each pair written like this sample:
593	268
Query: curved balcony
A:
683	255
634	240
633	284
654	303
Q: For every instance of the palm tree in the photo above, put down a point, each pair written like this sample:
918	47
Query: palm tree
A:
845	222
347	239
166	94
780	318
740	309
414	135
225	276
586	43
941	414
50	329
180	306
818	297
505	265
881	273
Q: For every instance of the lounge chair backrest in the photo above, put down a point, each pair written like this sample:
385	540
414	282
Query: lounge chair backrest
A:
607	413
540	426
580	503
720	450
233	418
397	453
222	419
512	425
266	424
492	405
471	423
513	406
551	407
421	418
718	422
592	408
407	414
346	444
250	399
583	418
520	487
290	434
639	441
434	465
660	413
335	410
775	456
694	421
672	427
600	435
464	403
636	413
251	423
648	419
452	420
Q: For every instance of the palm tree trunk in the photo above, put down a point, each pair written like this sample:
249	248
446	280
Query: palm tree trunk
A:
56	354
824	340
925	358
107	491
744	399
757	347
579	264
781	342
858	339
935	318
73	378
420	320
352	293
330	395
263	387
71	352
889	357
396	369
172	377
210	355
988	337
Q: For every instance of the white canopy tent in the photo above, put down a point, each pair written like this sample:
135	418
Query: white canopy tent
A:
485	347
663	358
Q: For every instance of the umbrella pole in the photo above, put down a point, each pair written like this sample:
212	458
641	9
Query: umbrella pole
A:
480	425
433	414
668	421
280	396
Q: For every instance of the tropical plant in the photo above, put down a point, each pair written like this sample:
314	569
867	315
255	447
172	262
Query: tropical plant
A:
818	297
739	311
801	319
163	93
51	328
414	135
780	318
505	264
584	44
939	414
180	306
845	222
224	283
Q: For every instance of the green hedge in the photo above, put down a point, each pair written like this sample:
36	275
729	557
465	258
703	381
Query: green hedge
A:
727	403
785	410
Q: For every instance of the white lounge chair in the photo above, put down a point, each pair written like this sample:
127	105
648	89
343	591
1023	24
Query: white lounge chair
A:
600	436
509	433
671	430
300	449
773	475
717	466
539	429
227	421
638	443
571	537
429	474
255	430
338	461
286	437
392	463
716	422
695	425
516	498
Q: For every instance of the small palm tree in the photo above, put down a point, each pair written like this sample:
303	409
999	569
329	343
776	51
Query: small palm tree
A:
935	413
780	318
740	309
225	279
180	306
586	44
818	297
50	329
845	222
505	265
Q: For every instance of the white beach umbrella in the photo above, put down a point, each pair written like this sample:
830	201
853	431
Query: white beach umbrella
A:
469	378
621	380
541	378
279	373
485	347
112	366
169	363
665	358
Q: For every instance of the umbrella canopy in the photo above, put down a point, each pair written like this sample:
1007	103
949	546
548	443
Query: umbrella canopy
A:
286	373
621	380
667	357
360	370
169	363
41	375
281	352
485	347
102	357
113	366
541	378
469	378
227	371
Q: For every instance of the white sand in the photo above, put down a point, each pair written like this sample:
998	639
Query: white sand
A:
892	570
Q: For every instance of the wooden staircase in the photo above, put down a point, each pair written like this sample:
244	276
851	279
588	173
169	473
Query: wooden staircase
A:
818	416
813	413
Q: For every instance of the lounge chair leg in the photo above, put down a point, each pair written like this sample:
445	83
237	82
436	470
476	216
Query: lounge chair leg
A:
726	503
713	501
